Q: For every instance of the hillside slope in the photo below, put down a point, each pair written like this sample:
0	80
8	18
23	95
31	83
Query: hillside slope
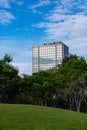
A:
29	117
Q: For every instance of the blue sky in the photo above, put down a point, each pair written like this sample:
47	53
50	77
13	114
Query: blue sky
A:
25	23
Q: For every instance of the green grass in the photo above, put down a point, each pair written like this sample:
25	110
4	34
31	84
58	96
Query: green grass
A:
28	117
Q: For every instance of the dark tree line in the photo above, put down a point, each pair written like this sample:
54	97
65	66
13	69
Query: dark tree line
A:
65	87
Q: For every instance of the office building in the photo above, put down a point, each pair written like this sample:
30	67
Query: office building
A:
48	56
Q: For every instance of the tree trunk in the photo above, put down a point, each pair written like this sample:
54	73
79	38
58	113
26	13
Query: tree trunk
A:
78	104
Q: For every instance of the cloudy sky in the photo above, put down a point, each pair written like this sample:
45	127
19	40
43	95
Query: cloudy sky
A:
25	23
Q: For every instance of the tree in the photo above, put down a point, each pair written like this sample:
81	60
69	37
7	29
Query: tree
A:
7	75
7	59
43	88
72	69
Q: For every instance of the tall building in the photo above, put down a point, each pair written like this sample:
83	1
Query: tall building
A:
48	56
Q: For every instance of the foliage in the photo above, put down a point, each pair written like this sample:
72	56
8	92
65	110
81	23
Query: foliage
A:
66	87
8	77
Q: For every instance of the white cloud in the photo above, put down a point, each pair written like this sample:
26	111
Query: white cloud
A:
67	23
19	3
72	26
77	46
24	68
41	3
7	3
6	17
20	52
71	4
12	47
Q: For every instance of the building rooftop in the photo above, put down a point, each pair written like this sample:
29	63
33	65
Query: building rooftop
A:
53	43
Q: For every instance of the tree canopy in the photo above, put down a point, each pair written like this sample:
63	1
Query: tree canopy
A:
64	87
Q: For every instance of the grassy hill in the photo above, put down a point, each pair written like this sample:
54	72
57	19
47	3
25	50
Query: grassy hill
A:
28	117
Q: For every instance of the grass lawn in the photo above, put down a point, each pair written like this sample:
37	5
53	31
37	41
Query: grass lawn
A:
29	117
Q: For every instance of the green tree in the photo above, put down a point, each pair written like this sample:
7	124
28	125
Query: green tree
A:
7	75
72	70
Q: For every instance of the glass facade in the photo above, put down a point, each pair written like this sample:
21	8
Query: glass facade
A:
48	56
